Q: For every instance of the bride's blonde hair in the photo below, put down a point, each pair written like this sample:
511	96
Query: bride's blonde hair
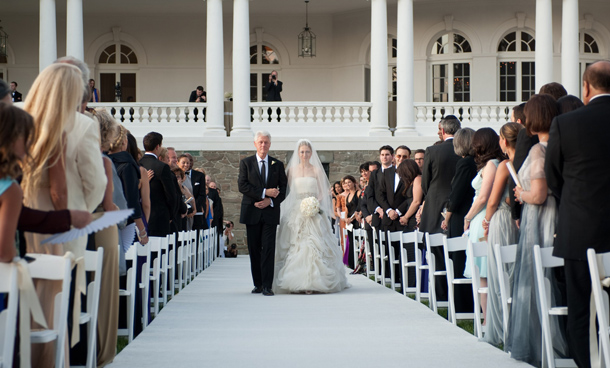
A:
52	101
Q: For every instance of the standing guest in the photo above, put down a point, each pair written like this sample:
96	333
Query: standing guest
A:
5	93
218	211
94	95
499	229
186	198
162	190
386	156
487	156
184	163
16	128
418	156
198	183
575	168
263	182
273	89
439	167
164	156
352	218
144	184
569	103
554	89
460	200
198	95
66	170
15	95
517	115
172	157
538	223
410	178
336	191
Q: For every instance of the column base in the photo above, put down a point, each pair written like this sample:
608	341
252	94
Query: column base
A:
242	132
215	132
406	132
380	132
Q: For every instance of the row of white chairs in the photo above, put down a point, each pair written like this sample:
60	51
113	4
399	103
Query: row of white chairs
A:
504	255
169	266
56	268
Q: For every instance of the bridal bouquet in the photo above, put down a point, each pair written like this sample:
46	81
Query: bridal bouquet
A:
310	206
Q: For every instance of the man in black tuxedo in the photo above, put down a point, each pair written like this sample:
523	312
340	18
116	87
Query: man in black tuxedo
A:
575	167
439	167
198	95
263	182
386	156
198	184
163	200
16	96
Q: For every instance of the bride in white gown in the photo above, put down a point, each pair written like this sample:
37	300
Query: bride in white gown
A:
307	257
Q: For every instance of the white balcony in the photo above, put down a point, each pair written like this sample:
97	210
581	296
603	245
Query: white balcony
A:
338	125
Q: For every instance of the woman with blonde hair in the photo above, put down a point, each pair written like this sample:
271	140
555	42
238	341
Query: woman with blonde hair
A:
66	171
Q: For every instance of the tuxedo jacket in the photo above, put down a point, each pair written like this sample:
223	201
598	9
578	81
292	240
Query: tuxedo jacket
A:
522	149
217	206
462	193
389	198
439	168
163	196
193	96
371	194
250	184
198	183
16	96
273	91
576	168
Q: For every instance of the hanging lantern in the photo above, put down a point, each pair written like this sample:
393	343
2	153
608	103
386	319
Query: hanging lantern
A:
3	42
307	39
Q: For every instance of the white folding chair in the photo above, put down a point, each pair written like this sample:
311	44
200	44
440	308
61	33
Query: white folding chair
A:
129	293
154	244
200	266
368	254
179	267
459	243
144	251
8	317
206	248
393	237
543	259
505	254
170	275
213	242
434	240
358	236
182	259
474	250
163	269
382	259
194	269
377	257
411	239
599	269
93	263
48	267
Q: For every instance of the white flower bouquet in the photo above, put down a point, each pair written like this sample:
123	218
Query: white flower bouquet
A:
310	206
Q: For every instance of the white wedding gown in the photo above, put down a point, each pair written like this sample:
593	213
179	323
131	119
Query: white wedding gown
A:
307	255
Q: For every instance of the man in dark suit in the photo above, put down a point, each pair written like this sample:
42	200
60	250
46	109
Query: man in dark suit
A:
163	200
366	214
16	96
386	156
198	95
263	182
439	167
218	220
575	167
198	184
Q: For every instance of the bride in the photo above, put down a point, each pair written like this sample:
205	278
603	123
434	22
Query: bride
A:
307	257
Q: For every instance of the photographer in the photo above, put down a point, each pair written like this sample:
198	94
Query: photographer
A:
227	238
198	95
273	88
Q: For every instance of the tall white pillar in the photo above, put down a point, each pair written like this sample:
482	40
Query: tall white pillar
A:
570	53
47	49
74	29
405	117
214	65
379	68
241	68
544	43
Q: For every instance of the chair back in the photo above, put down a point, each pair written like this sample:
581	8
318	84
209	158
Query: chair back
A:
8	317
474	250
599	269
93	263
505	254
432	240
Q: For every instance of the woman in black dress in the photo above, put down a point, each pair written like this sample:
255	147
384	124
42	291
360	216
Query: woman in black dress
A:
352	216
409	173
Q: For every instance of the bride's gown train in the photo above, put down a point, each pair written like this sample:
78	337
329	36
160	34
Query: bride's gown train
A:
307	255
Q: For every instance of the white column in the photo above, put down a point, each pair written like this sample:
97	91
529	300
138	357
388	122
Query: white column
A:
544	43
405	117
570	53
214	65
74	29
47	49
241	68
379	68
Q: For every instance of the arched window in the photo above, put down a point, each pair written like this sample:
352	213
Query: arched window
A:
117	66
263	60
589	52
450	59
517	69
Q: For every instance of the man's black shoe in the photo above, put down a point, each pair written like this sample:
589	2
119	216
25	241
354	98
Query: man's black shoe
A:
268	292
257	290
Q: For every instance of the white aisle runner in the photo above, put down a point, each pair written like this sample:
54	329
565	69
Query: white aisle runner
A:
217	322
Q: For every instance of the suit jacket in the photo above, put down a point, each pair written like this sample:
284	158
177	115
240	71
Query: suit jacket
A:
273	91
217	206
439	168
16	96
163	196
522	149
198	183
462	193
250	184
576	163
193	96
392	199
371	196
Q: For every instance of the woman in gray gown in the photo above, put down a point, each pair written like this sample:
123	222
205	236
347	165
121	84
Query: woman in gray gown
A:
538	220
499	229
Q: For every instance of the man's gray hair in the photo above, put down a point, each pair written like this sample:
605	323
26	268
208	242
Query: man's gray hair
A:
462	142
84	69
262	133
450	124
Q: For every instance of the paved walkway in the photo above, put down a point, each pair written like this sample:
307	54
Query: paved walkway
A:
216	322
